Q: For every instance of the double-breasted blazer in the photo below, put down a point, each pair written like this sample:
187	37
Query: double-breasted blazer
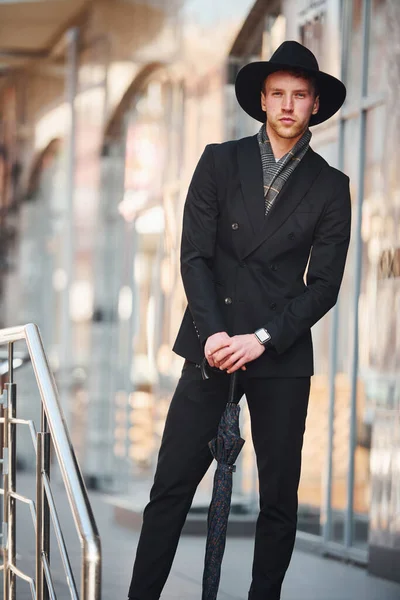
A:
242	270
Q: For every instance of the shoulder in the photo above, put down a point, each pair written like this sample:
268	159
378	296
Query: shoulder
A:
225	155
222	148
231	146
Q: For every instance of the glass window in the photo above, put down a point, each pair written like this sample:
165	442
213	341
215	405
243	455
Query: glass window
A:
340	457
377	73
354	77
316	438
376	224
373	209
375	352
312	34
140	295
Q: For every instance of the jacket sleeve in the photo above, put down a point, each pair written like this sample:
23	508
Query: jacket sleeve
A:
200	219
324	276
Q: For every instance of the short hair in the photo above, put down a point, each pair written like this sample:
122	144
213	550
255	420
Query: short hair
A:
298	72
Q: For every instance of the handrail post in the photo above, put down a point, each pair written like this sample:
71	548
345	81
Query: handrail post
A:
6	569
39	517
12	409
42	514
46	509
9	476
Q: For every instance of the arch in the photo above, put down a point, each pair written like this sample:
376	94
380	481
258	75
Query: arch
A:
250	34
114	126
40	161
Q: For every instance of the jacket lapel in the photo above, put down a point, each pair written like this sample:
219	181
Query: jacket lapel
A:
251	180
289	197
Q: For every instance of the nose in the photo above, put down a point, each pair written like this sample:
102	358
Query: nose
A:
287	103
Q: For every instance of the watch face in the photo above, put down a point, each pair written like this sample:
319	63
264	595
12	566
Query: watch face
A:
263	335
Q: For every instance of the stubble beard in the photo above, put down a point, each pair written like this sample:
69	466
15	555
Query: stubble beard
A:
294	131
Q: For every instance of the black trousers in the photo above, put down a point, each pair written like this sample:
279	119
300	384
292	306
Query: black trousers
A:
278	409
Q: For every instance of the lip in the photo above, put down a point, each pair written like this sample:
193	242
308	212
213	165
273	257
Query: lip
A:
287	120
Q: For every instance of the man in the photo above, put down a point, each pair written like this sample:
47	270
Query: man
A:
258	212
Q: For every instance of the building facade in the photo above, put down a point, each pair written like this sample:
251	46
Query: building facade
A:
99	141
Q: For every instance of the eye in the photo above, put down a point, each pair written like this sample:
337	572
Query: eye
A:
300	95
276	94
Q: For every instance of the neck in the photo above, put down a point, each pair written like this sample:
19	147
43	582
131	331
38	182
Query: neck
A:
281	146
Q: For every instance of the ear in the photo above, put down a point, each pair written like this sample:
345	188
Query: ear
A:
316	106
263	102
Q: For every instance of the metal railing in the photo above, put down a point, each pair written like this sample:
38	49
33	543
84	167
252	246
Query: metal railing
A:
52	429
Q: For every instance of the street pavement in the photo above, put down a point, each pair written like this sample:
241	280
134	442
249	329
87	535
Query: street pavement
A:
310	577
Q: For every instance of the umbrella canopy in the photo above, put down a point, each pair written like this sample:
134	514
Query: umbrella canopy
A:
225	448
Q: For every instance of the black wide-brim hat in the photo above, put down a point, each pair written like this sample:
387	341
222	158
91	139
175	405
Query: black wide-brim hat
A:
289	56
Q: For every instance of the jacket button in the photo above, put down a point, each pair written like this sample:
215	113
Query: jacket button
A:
291	236
273	306
274	267
228	300
235	226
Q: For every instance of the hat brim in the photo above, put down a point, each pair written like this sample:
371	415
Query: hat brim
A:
250	79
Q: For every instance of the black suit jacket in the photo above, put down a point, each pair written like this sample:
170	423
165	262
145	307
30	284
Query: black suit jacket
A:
242	271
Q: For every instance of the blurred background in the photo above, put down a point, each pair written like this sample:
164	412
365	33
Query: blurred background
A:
105	108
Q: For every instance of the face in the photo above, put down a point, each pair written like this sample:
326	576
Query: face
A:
289	102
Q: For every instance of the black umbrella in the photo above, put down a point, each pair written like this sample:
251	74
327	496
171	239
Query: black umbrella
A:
225	448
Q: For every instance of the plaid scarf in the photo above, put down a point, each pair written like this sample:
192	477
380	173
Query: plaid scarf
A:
278	172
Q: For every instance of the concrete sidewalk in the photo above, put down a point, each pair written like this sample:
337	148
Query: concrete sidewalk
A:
310	577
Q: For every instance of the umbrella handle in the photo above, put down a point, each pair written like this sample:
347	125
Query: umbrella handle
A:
232	389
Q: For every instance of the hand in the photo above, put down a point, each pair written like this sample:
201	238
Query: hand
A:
214	343
241	350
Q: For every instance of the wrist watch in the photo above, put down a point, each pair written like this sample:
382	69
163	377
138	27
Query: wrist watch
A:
262	335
